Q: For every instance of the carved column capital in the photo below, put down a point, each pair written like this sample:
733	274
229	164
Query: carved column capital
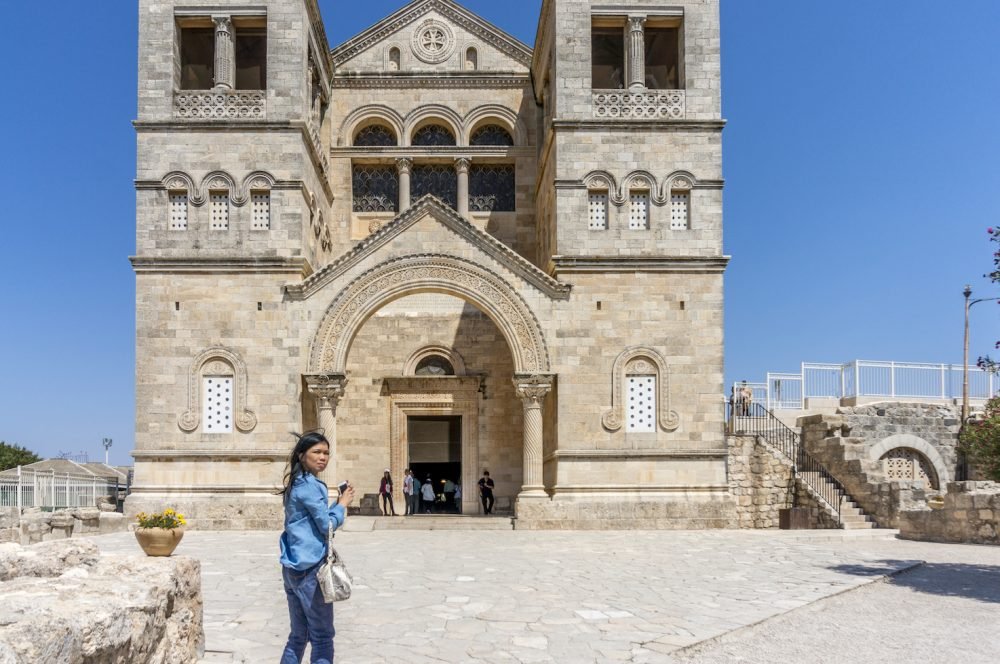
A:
531	389
404	165
462	165
327	389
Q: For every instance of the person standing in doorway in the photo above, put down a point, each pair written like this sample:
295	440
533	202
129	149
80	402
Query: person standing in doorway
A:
449	495
385	490
407	491
486	492
415	494
427	494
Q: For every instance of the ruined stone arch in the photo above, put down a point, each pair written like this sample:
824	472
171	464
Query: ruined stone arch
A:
428	273
908	440
222	361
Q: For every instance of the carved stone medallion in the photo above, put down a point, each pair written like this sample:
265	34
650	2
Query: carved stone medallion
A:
433	41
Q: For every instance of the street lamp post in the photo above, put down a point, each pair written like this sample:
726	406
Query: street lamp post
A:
107	445
965	352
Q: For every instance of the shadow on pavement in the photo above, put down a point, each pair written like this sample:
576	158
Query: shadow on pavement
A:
978	582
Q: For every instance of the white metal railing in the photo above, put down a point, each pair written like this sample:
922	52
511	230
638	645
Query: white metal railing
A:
46	489
864	378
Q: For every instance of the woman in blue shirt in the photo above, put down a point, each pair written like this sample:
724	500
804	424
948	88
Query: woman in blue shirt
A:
308	516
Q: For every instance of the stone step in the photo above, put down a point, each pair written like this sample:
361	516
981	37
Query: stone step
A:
443	522
857	525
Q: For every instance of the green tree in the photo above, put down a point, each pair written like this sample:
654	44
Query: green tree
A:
980	441
987	362
12	455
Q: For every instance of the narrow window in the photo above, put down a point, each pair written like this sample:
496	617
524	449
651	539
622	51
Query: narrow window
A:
680	210
251	58
662	58
394	59
607	58
598	208
178	211
492	188
217	404
197	58
641	404
471	59
219	211
260	205
638	210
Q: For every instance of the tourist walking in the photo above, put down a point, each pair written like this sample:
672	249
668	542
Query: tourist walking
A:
385	490
427	495
486	492
308	519
407	491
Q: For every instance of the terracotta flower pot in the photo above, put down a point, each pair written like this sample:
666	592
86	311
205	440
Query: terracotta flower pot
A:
159	541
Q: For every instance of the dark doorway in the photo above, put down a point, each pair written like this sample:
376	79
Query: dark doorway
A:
435	451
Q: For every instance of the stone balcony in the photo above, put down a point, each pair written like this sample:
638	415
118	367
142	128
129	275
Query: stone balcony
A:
639	105
220	104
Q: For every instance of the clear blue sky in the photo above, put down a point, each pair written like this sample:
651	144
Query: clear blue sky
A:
861	159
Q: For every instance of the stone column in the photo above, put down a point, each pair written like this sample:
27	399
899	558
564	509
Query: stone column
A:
462	166
328	389
225	53
636	52
403	167
532	390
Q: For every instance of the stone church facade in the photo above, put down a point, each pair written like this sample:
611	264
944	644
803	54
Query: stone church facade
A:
446	248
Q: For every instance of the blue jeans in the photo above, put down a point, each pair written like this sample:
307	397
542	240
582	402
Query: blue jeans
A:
311	618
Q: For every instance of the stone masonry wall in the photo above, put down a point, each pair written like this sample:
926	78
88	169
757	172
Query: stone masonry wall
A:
34	525
970	514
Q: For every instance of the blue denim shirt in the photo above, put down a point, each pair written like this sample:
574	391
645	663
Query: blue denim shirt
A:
308	516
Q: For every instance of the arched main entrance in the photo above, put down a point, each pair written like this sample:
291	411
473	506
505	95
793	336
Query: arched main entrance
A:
488	292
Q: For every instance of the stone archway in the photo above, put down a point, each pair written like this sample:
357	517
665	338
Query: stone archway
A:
448	275
912	442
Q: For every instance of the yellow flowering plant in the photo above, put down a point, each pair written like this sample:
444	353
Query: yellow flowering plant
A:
168	519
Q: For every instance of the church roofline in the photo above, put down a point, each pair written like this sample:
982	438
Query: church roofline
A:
429	204
478	26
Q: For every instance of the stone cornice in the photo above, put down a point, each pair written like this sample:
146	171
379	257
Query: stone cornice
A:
421	80
204	265
446	153
214	453
487	32
638	454
570	264
428	204
633	125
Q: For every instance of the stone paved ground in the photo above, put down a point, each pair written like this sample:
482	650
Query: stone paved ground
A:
528	596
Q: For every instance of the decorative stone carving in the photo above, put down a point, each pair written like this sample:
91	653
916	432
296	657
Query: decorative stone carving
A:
327	389
221	104
218	361
433	41
636	52
641	360
659	105
446	274
531	389
225	53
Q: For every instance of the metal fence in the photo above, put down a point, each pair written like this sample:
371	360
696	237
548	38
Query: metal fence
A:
864	378
46	489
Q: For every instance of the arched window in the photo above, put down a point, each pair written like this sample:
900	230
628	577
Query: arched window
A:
434	365
906	464
394	59
433	134
374	135
491	134
217	394
471	59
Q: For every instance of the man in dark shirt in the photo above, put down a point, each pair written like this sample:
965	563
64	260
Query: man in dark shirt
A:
486	492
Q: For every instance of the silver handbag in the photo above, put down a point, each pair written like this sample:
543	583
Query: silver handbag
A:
334	580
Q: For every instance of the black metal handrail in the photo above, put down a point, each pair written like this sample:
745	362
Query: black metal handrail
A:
756	420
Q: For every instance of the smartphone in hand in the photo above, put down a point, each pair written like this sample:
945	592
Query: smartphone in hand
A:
342	487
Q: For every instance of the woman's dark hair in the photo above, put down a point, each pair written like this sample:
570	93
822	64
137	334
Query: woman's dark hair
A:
304	443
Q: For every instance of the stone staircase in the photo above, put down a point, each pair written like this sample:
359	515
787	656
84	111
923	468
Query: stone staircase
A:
443	522
852	517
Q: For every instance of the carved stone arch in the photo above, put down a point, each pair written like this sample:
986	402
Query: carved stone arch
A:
428	273
255	181
218	181
444	350
644	360
181	181
367	115
644	179
603	180
683	180
433	114
493	114
884	446
217	361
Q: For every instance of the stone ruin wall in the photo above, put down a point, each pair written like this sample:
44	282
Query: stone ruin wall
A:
970	513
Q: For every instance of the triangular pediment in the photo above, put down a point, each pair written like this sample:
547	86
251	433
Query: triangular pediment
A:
457	237
458	29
